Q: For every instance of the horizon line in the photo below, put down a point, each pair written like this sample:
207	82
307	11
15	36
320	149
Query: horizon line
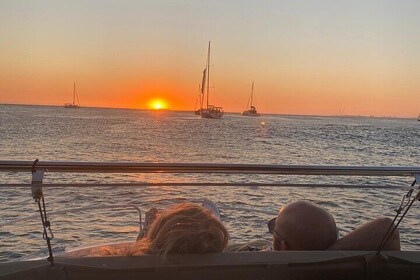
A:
173	110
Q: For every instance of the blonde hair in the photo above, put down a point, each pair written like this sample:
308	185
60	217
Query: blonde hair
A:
183	229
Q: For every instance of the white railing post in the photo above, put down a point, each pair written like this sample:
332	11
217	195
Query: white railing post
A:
36	184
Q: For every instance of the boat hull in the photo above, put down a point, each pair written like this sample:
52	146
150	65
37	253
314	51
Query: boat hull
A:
250	114
211	114
72	106
243	265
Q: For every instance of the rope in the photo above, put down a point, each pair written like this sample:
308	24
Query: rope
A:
392	228
45	225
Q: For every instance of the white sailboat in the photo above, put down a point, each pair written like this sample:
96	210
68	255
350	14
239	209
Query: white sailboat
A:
75	97
210	111
252	111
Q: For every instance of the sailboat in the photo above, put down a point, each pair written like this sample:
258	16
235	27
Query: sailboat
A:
252	111
75	97
210	111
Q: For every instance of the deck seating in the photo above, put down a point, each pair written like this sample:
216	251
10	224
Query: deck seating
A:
243	265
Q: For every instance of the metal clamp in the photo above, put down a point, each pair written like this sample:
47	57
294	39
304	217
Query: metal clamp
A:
36	184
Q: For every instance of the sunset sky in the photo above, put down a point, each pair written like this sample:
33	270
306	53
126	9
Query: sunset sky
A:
306	57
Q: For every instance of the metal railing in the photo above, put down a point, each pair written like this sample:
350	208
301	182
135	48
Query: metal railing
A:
206	168
127	167
38	168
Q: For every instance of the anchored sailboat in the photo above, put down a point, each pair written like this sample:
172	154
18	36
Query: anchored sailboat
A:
75	97
252	111
210	111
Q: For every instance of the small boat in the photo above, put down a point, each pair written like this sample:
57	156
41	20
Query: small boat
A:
210	111
252	111
73	105
418	118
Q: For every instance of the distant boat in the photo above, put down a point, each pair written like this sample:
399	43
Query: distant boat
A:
210	111
75	97
418	118
252	111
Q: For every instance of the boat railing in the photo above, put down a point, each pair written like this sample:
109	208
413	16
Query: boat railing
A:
41	167
129	167
38	168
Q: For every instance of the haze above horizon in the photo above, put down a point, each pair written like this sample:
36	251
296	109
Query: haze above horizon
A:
306	57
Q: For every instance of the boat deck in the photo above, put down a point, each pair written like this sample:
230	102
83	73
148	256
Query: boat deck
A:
243	265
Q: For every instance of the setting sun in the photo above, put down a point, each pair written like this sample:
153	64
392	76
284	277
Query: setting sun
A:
157	104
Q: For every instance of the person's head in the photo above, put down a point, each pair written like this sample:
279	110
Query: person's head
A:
182	229
303	225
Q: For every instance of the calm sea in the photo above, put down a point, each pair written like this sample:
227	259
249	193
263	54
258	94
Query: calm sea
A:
88	134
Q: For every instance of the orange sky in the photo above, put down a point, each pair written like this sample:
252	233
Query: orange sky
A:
340	58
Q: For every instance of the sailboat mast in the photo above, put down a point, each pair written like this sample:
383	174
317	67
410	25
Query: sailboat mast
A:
252	92
208	75
74	93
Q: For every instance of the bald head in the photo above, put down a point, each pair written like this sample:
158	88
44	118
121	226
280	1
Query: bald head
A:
303	225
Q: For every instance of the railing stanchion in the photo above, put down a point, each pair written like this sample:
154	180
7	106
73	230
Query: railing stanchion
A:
38	195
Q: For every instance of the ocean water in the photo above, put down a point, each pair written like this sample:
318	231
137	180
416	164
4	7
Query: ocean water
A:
90	134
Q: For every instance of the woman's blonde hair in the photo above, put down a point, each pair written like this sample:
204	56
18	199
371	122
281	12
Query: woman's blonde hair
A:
182	229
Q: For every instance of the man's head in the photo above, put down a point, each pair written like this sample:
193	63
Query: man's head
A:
303	225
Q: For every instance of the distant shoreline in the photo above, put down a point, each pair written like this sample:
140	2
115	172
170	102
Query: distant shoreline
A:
232	113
